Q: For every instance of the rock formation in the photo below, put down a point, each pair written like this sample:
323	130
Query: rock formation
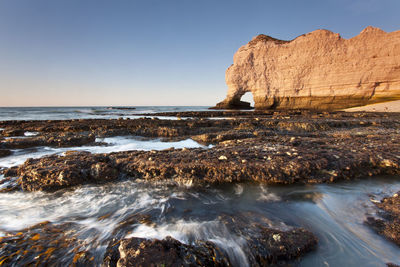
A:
318	70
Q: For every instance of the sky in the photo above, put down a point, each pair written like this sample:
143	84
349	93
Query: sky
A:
152	52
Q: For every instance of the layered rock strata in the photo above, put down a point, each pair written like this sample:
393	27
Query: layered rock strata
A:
318	70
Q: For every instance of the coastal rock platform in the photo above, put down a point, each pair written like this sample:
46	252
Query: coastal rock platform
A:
279	148
260	147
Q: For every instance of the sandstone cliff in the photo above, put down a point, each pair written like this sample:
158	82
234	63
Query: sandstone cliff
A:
318	70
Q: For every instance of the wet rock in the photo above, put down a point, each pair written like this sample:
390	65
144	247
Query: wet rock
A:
212	138
5	153
261	246
102	171
56	172
8	184
59	140
281	147
275	246
13	132
267	245
167	252
389	225
10	172
44	244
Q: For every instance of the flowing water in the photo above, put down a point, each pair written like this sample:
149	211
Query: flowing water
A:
334	212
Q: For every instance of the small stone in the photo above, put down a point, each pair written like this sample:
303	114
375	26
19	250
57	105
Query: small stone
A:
222	158
276	237
374	201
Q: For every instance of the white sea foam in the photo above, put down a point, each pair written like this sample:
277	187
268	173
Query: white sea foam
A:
31	133
238	189
19	210
122	143
267	196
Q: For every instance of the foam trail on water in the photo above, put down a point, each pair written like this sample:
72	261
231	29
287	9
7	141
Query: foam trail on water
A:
267	196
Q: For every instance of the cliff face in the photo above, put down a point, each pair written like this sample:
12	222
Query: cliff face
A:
318	70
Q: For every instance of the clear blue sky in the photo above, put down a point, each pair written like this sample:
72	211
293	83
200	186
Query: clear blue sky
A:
166	52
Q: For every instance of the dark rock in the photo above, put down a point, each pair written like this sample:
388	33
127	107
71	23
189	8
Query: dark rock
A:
267	245
168	252
13	132
44	244
264	246
55	172
102	171
10	172
389	225
5	153
280	147
55	140
234	103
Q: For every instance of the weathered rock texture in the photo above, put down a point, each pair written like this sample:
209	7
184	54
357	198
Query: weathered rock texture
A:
284	147
318	70
389	226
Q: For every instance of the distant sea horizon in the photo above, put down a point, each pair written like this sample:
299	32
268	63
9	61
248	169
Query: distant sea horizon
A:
87	112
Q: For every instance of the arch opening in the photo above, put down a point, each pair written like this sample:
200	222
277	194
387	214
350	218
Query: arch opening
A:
248	97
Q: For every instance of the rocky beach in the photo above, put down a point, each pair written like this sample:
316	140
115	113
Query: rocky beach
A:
122	142
229	150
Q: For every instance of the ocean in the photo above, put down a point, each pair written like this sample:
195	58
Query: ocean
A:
65	113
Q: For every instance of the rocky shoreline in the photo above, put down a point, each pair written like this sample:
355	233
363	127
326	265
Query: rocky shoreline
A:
259	147
280	148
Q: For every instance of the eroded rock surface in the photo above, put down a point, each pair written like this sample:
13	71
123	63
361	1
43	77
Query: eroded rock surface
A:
55	172
389	226
261	246
44	244
54	140
279	148
318	70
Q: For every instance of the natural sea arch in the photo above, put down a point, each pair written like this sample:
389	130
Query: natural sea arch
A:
248	97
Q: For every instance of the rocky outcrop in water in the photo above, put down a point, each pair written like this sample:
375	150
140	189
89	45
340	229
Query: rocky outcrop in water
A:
284	148
53	140
389	226
318	70
55	172
44	244
49	244
5	153
261	246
